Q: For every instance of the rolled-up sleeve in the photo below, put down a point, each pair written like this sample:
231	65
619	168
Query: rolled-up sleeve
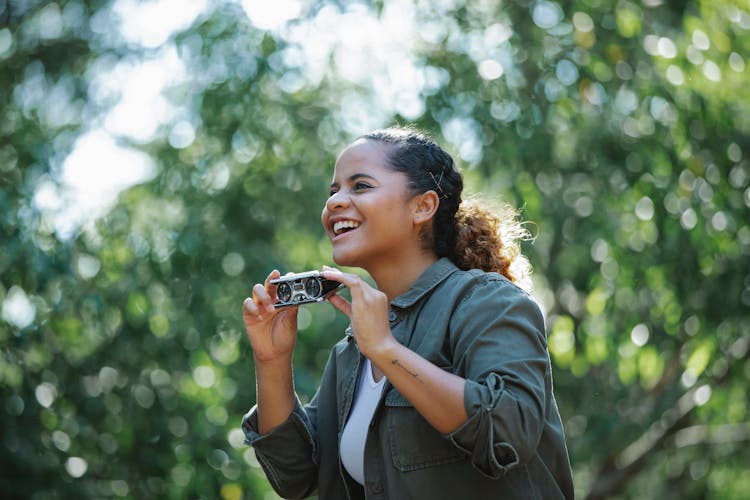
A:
287	454
499	346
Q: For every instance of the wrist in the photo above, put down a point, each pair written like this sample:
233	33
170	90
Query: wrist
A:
280	363
386	351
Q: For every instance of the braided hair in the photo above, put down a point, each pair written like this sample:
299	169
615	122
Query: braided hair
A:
471	236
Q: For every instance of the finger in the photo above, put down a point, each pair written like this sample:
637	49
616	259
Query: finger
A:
341	304
350	280
250	310
271	276
271	287
356	285
250	307
263	298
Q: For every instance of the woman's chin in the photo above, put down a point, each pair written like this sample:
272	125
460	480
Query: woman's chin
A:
344	258
340	260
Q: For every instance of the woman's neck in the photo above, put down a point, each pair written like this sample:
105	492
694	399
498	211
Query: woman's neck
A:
394	280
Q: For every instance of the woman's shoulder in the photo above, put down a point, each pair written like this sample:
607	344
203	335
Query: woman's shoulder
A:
490	301
474	280
475	289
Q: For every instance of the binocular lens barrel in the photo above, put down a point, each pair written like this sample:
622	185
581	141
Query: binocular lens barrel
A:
284	292
313	288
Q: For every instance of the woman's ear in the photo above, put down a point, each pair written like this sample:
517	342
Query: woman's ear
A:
425	206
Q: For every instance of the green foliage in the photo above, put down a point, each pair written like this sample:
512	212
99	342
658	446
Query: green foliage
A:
621	129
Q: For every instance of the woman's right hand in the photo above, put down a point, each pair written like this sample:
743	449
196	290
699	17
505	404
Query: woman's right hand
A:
272	332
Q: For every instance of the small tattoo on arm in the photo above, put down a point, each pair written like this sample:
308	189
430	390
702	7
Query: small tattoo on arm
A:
410	372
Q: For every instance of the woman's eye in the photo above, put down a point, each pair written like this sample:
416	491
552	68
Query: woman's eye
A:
359	186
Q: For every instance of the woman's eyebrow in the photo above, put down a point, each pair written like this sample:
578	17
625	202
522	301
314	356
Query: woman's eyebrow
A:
353	178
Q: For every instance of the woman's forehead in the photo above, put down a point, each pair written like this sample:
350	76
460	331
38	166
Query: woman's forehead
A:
364	149
362	154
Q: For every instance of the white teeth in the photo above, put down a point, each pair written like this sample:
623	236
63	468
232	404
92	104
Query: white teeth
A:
339	226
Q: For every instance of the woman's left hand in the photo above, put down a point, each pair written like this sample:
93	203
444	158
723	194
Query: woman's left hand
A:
368	312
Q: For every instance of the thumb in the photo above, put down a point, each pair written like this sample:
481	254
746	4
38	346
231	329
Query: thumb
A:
341	304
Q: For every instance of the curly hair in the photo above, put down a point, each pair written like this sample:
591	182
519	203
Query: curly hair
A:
469	234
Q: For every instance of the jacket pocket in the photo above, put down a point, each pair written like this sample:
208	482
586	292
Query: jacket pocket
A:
414	443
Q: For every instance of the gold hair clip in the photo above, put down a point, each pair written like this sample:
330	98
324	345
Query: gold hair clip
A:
437	182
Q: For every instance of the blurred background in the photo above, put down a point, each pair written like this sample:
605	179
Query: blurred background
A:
158	157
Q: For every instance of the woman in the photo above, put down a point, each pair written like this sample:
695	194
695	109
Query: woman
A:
442	386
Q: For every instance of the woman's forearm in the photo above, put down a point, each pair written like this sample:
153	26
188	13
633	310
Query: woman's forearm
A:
275	393
436	394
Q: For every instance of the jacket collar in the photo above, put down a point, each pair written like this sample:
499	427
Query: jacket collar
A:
431	278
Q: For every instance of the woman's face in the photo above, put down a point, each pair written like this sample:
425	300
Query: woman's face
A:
368	216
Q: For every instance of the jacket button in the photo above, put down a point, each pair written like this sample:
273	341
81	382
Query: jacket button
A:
376	487
392	316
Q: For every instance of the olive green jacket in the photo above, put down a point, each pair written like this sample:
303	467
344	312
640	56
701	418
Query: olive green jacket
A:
477	325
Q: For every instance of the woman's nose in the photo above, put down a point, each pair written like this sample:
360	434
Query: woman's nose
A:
337	200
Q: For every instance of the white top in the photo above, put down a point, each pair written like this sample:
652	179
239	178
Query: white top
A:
352	446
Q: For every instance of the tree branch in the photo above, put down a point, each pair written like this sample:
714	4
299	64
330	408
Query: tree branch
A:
617	470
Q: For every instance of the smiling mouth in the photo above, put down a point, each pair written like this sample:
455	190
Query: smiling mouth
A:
344	226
